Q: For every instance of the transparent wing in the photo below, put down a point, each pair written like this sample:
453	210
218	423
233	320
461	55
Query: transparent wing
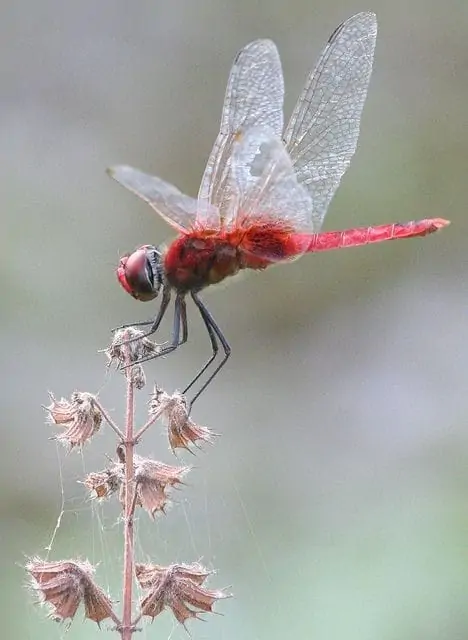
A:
269	194
322	134
254	97
179	210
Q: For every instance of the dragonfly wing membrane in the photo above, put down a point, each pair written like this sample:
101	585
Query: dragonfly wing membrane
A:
270	196
177	209
322	134
254	97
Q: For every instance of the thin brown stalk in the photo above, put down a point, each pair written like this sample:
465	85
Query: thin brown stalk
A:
109	420
129	510
148	424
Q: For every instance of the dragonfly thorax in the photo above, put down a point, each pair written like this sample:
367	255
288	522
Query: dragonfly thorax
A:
194	261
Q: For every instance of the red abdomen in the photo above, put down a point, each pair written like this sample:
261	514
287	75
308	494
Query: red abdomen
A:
369	235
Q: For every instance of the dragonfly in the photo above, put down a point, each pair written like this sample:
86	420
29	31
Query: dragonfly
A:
265	189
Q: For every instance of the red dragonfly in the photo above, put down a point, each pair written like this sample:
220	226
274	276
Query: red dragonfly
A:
265	190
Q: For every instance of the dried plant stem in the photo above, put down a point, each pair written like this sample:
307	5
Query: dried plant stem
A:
127	628
109	420
148	424
139	482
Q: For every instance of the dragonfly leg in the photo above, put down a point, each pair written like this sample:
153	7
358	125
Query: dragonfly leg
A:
166	298
144	323
214	349
180	323
183	321
216	335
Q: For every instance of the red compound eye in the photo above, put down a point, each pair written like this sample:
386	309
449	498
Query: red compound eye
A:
138	273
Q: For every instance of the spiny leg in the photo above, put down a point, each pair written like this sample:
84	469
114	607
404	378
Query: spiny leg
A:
215	334
166	298
214	349
143	323
183	321
180	322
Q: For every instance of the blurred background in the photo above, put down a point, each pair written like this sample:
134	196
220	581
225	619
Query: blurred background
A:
335	502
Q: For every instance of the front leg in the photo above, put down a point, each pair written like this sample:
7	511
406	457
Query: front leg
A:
166	298
180	322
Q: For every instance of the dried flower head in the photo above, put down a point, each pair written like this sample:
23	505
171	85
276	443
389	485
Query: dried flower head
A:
182	431
153	478
80	416
178	587
128	347
102	484
65	584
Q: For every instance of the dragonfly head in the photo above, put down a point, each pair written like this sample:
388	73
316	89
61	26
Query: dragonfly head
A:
140	273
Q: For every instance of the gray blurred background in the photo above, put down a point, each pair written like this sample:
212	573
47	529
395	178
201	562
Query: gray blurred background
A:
335	502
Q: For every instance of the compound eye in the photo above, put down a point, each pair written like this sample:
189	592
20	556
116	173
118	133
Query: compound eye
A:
136	274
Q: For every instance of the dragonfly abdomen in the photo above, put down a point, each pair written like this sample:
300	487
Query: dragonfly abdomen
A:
368	235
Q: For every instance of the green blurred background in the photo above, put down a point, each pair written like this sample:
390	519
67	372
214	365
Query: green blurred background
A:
335	502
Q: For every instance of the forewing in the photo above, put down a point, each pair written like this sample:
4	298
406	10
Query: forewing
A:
270	196
322	134
179	210
254	97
